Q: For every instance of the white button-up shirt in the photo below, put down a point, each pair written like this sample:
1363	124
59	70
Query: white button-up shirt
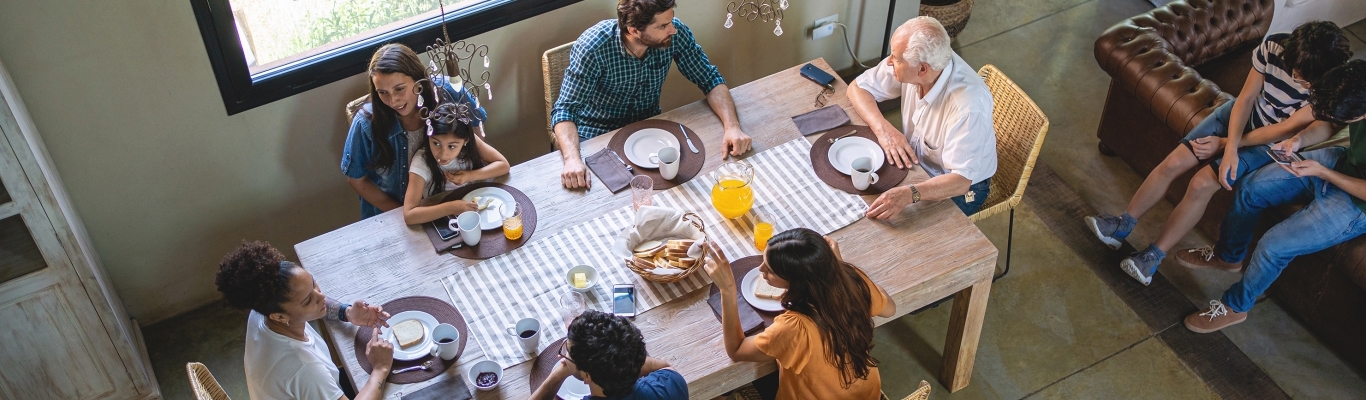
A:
950	128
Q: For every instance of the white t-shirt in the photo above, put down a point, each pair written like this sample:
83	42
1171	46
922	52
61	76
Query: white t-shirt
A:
279	367
950	128
419	166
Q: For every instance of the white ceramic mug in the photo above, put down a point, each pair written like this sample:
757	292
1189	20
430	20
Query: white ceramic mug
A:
468	226
668	161
447	340
531	340
861	172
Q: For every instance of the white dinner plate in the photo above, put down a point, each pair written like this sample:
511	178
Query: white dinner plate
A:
846	150
573	389
502	206
747	289
419	350
641	144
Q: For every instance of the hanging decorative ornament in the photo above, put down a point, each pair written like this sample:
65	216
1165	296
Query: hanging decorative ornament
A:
486	61
778	30
488	90
782	4
452	64
729	22
762	10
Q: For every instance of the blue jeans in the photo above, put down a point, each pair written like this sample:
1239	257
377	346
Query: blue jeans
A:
1250	158
1216	124
979	191
1330	218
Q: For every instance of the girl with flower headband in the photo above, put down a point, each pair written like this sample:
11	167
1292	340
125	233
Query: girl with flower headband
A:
386	134
460	156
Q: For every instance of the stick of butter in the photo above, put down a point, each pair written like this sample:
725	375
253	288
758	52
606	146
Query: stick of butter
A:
580	280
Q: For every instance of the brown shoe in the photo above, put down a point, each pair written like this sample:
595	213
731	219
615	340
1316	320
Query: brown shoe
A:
1203	257
1214	318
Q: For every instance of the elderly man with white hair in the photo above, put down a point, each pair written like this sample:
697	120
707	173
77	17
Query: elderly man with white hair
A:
946	111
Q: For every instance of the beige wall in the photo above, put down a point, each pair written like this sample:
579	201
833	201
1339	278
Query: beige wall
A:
166	182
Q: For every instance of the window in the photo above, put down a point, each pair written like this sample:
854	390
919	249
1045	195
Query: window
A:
266	50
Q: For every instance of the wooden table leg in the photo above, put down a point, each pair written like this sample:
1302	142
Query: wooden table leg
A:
965	327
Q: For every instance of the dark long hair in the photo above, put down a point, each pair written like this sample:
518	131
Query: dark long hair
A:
832	294
392	58
462	131
1340	95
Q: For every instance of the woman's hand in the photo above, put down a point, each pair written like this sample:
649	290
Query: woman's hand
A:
459	177
380	352
1305	168
364	314
834	247
563	369
1205	147
718	267
1287	146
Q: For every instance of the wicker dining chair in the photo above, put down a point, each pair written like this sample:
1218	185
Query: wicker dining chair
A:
553	64
204	385
1020	129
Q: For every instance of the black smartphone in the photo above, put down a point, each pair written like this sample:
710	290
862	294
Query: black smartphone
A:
624	300
817	75
1282	157
443	228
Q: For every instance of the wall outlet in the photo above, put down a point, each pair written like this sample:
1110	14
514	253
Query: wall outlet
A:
824	27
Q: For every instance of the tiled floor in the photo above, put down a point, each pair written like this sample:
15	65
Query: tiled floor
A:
1053	329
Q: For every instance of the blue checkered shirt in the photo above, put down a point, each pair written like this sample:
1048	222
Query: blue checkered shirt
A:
605	87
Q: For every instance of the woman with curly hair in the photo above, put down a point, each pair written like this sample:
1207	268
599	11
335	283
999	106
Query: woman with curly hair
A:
608	353
285	358
824	341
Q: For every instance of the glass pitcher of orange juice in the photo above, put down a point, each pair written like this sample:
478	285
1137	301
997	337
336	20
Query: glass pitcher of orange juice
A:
732	196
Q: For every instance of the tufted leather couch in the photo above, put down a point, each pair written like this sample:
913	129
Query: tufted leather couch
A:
1169	69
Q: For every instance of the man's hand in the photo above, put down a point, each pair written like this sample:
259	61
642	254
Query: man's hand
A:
735	142
1205	147
894	143
1305	168
380	352
562	370
718	267
364	314
1228	169
575	174
1287	146
890	203
459	177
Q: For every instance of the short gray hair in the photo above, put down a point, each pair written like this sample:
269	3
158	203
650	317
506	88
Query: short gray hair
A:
926	41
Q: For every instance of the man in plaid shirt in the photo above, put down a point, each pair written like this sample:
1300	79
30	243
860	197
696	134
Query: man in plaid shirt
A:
615	75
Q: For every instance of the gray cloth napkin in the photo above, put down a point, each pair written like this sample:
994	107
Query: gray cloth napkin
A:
609	169
821	120
450	389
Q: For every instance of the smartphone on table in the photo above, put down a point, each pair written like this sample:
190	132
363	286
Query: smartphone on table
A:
624	300
1282	157
817	75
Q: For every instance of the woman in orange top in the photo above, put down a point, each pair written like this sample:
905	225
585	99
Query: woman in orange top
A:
823	342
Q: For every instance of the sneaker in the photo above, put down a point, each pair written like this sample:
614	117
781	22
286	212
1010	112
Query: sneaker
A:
1141	265
1214	318
1110	229
1203	257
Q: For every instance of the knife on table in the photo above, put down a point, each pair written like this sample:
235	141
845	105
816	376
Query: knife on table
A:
687	139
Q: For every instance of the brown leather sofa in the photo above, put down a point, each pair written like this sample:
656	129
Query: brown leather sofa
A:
1169	69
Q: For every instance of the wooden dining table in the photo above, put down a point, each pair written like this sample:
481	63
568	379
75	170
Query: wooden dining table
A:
929	252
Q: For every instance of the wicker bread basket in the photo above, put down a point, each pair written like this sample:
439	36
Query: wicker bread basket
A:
696	222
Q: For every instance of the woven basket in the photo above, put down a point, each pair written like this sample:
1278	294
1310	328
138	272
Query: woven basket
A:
696	222
202	382
953	16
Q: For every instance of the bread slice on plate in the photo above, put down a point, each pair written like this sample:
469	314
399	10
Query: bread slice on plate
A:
764	290
409	332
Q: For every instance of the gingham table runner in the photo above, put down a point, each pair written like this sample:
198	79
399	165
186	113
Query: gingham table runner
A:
527	282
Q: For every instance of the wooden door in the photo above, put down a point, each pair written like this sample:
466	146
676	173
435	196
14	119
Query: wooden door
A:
52	343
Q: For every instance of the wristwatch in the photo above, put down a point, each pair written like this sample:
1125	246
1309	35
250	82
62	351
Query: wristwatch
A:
915	195
341	312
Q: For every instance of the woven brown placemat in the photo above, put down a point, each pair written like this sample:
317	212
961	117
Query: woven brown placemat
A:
888	176
544	363
443	312
691	163
492	243
747	312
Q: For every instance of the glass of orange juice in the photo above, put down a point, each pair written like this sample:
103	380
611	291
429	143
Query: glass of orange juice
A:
762	232
512	226
732	195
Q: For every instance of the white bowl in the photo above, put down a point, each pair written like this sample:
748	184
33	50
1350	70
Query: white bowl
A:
592	278
482	367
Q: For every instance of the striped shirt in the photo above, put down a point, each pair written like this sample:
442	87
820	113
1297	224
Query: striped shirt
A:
605	87
1281	96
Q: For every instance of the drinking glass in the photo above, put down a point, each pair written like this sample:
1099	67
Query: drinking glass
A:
571	305
512	226
642	191
762	232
